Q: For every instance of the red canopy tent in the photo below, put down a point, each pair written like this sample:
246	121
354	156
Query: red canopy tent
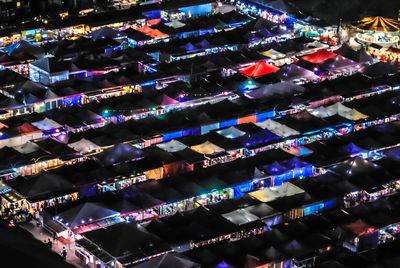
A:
26	128
153	33
259	69
319	57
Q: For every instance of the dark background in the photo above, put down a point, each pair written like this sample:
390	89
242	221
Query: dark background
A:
349	10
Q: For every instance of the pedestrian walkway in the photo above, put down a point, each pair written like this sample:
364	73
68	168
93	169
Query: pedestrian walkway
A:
41	234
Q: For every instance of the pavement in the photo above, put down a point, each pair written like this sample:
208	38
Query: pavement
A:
41	234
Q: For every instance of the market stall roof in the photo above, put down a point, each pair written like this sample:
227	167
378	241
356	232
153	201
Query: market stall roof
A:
207	148
172	146
46	124
168	260
58	149
291	72
188	47
176	24
165	100
345	112
319	57
296	162
11	158
52	65
278	128
380	69
359	56
139	198
351	149
274	168
160	190
338	62
303	121
283	89
262	210
154	33
273	54
231	133
119	153
378	24
355	167
127	240
204	44
10	77
44	185
322	112
84	146
272	193
359	228
23	47
240	217
136	35
259	69
85	213
106	32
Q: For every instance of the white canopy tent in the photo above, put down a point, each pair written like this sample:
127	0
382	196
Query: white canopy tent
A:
46	124
240	217
231	133
176	24
172	146
277	128
84	146
346	112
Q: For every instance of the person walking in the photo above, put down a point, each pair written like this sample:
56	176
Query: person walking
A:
64	253
54	237
50	244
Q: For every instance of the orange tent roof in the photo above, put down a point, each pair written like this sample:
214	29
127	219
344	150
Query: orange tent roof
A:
319	57
153	33
259	69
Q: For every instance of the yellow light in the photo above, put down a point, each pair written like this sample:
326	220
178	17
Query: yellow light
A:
18	4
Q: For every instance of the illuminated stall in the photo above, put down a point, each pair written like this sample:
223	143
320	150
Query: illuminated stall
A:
377	30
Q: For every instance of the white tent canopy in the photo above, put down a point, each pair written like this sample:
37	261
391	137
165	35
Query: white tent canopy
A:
277	128
231	133
176	24
207	148
322	112
84	146
172	146
27	148
346	112
240	217
46	124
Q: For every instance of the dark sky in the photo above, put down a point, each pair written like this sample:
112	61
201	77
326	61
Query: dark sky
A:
348	10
